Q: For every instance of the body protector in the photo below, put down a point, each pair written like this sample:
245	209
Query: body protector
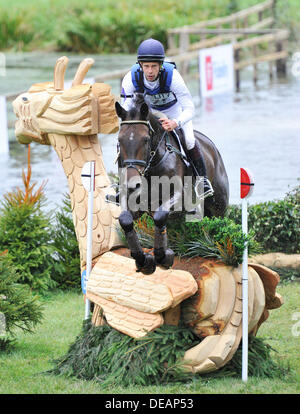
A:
160	98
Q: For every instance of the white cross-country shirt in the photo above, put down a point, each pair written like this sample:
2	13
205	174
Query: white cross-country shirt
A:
182	111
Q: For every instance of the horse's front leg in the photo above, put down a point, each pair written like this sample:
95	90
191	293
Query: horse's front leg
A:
163	255
145	262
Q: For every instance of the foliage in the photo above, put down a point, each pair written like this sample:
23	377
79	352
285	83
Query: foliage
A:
67	259
112	358
218	238
83	26
17	303
287	274
25	234
275	223
260	362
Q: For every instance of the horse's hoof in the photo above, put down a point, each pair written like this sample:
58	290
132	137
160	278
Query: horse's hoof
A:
149	265
166	261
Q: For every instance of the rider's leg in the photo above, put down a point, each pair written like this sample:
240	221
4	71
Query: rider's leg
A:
196	156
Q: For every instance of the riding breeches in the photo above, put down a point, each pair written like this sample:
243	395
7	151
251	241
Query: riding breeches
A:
187	127
189	135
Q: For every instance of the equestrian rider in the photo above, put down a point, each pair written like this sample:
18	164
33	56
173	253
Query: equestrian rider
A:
166	92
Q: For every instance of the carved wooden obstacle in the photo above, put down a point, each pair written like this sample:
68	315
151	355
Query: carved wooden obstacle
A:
207	297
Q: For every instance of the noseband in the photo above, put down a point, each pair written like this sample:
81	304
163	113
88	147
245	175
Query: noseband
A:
132	163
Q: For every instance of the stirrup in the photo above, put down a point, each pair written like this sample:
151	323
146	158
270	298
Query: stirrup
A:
201	184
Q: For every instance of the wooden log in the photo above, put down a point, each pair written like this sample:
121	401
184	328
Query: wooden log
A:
280	260
265	58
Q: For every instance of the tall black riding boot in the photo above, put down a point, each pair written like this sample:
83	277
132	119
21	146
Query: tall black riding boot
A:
196	157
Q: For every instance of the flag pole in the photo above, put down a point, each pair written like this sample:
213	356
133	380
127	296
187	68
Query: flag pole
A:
245	294
88	180
246	190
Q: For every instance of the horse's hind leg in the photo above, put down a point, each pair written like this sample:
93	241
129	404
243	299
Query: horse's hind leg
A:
145	262
163	255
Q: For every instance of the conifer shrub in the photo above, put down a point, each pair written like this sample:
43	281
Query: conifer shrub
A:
19	307
66	256
25	232
111	358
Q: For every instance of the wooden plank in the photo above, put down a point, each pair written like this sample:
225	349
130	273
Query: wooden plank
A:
244	31
230	18
265	58
270	37
268	21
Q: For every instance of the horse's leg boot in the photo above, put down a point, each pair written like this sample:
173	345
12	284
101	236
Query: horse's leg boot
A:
149	265
163	255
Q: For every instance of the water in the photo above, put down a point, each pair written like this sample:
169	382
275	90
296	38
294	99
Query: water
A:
257	128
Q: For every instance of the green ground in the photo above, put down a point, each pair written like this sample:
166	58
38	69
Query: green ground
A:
21	370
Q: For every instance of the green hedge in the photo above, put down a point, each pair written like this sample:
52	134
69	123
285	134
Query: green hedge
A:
66	258
90	26
275	224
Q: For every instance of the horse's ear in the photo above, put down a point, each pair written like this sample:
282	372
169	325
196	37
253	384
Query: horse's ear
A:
121	112
144	111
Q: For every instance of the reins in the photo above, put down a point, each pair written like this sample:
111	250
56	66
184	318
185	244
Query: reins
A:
131	163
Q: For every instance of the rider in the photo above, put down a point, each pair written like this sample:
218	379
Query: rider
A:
166	92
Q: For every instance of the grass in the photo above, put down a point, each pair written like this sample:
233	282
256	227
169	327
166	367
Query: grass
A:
22	370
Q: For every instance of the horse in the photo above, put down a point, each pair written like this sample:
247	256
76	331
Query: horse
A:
148	154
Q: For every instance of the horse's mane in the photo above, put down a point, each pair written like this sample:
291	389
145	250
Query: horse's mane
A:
138	100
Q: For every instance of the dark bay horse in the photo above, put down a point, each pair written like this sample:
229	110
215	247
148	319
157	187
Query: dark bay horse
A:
149	157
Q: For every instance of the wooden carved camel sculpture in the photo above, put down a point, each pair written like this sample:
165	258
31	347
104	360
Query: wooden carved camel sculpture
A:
208	298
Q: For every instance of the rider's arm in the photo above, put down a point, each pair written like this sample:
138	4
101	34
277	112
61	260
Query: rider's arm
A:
184	98
127	90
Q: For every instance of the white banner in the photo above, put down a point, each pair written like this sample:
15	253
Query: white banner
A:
216	69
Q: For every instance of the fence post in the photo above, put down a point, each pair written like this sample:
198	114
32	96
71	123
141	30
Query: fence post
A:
184	42
274	13
4	145
280	63
237	71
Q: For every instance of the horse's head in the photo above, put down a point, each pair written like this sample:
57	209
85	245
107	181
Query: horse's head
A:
134	143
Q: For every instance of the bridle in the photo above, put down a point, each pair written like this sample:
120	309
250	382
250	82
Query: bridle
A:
133	163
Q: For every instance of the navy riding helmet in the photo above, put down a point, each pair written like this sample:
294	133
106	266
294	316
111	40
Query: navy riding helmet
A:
151	50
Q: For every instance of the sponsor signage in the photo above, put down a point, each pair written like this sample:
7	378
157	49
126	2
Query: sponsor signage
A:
216	69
